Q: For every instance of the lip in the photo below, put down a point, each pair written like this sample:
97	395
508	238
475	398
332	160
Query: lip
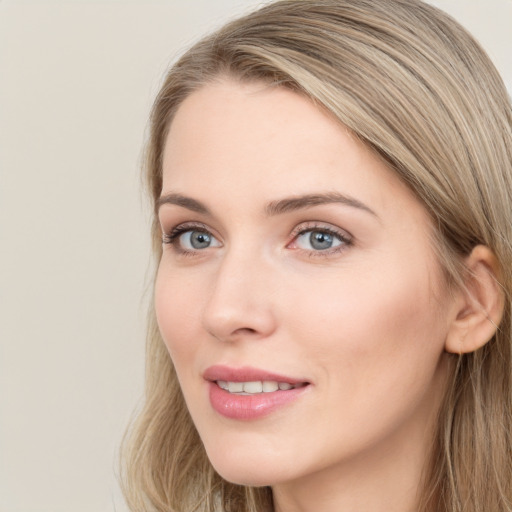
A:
249	407
245	374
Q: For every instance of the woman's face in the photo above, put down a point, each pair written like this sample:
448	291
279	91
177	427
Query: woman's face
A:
294	258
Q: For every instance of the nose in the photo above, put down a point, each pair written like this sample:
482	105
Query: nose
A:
240	303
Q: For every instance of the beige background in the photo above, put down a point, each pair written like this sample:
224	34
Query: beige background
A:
76	83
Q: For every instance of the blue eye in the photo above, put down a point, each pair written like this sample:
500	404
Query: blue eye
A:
318	240
189	239
195	240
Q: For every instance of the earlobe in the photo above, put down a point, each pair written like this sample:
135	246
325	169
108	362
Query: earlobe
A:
480	304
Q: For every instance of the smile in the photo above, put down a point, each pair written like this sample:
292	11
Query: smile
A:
256	387
247	393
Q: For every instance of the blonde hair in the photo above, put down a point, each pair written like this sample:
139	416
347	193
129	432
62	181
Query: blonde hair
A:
415	87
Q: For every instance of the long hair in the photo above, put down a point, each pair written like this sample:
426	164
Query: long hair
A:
416	88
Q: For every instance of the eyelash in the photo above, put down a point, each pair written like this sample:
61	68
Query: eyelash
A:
172	238
345	239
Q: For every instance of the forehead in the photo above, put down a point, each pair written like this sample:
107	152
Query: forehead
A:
246	120
257	140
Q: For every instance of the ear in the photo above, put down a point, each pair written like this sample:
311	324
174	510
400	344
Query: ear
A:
479	305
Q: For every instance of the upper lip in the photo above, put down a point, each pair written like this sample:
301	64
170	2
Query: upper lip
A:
246	374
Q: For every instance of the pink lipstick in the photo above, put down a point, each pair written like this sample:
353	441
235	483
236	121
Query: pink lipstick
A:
249	393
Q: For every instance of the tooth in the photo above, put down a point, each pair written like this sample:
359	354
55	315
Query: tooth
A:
269	386
253	387
235	387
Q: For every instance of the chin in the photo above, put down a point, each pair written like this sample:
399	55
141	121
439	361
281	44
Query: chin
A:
249	480
237	469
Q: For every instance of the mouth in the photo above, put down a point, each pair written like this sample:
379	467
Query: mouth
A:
257	387
248	393
251	380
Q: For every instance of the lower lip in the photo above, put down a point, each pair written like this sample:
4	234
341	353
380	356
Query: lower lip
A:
250	407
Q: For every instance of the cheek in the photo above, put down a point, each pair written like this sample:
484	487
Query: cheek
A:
374	347
176	305
352	303
373	330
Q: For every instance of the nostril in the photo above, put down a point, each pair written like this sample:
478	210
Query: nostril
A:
237	334
245	330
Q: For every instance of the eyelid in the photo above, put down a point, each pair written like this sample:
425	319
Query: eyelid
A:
321	226
172	237
186	226
344	236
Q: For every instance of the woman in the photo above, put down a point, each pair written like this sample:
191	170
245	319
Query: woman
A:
331	330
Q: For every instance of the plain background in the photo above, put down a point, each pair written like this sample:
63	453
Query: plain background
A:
76	83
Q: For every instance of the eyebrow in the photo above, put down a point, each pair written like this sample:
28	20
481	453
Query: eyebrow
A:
307	201
183	201
273	208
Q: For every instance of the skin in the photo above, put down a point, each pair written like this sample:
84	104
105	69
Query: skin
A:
365	322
